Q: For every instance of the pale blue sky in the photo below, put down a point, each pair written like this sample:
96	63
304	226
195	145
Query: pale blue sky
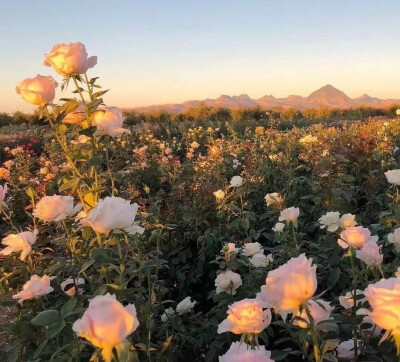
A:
152	52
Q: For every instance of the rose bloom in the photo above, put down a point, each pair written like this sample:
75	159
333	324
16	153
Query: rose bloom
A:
108	121
320	311
347	220
194	145
394	237
69	59
8	164
345	350
56	208
246	316
76	116
274	198
21	242
230	248
169	312
4	173
106	323
347	301
228	282
330	221
219	195
260	260
384	299
68	286
370	253
250	249
290	285
242	352
393	177
185	306
113	213
290	214
355	236
278	228
35	287
39	90
236	181
3	192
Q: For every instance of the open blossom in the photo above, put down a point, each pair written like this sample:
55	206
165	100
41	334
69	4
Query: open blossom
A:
260	260
228	282
69	59
113	213
320	310
250	249
3	192
394	237
185	306
273	198
370	253
38	90
35	287
347	300
76	116
56	208
242	352
106	323
384	299
355	236
108	121
246	316
236	181
169	312
8	164
290	214
393	176
4	173
230	248
21	242
279	226
290	285
347	220
194	145
330	221
68	286
219	195
345	350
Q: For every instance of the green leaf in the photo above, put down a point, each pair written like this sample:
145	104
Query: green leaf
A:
99	94
329	345
100	255
70	184
94	104
40	349
68	307
328	326
46	317
55	328
69	106
333	277
88	131
95	161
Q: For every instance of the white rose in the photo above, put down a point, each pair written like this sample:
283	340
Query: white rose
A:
370	253
69	59
347	301
347	220
113	213
236	181
279	226
261	260
39	90
35	287
393	177
56	208
242	352
108	121
250	249
290	214
345	349
394	238
330	221
355	236
228	282
273	198
68	286
106	323
21	242
185	306
169	312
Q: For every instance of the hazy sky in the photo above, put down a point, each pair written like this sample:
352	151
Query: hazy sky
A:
165	51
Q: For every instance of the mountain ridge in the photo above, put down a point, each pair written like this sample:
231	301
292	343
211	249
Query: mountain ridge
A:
325	97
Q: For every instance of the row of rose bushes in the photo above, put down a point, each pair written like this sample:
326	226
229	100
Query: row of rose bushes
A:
215	268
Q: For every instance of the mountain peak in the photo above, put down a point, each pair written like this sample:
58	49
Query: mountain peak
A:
328	91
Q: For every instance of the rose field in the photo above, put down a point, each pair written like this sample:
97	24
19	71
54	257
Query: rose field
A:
184	240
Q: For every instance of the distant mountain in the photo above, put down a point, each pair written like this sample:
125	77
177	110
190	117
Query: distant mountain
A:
325	97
